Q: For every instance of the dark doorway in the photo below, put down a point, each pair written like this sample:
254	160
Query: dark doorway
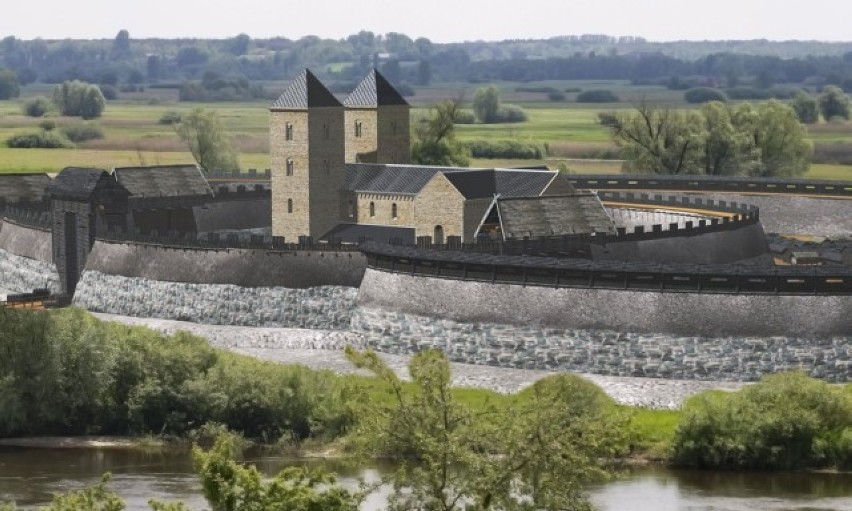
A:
438	238
72	270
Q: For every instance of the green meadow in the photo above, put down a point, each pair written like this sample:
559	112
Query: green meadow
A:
574	140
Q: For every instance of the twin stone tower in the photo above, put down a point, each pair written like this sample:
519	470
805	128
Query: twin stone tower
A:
313	137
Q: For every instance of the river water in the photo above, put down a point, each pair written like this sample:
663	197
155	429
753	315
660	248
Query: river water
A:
30	476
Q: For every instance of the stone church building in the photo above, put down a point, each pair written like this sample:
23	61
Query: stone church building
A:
341	169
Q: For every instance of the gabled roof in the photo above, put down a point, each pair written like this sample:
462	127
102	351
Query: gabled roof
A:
480	184
577	213
23	187
382	178
374	90
354	233
77	183
163	181
303	92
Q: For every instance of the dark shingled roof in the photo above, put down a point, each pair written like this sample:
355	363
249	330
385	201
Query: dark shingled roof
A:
163	181
480	184
353	233
381	178
374	91
76	183
23	187
553	215
303	92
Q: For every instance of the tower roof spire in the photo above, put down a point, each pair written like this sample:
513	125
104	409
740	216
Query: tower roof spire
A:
373	91
304	92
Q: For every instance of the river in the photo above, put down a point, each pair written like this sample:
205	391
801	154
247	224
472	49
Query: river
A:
30	476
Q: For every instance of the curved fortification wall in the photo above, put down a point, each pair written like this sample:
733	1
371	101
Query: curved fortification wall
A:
326	307
233	215
23	274
25	241
604	352
295	269
644	311
786	214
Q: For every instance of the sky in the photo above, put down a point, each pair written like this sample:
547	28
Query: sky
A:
439	20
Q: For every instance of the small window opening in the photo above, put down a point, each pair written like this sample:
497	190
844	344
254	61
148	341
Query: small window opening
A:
372	209
288	131
393	211
289	167
357	128
289	205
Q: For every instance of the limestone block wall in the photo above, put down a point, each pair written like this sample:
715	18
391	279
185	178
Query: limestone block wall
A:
20	274
393	133
326	307
365	142
383	206
604	352
289	224
439	203
680	313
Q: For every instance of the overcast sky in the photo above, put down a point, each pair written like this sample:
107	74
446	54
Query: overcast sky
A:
439	20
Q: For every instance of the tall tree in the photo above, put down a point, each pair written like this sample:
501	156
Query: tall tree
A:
121	43
728	151
486	104
435	142
833	102
79	99
781	139
806	108
9	86
203	133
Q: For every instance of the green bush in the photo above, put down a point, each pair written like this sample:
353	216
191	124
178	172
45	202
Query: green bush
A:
509	114
465	117
79	99
39	140
597	96
505	149
556	96
786	421
65	372
704	95
78	133
37	107
170	118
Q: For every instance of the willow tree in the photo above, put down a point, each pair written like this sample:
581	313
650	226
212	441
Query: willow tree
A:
204	134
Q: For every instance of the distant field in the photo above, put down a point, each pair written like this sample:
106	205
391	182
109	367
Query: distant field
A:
570	130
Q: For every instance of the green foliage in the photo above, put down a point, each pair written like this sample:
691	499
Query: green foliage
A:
37	106
435	142
229	486
487	107
704	95
834	103
170	118
762	140
79	99
78	133
213	87
203	133
9	86
806	108
556	96
597	96
110	92
66	373
786	421
93	498
533	452
39	140
505	149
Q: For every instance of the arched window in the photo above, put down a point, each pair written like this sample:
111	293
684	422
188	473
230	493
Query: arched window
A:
351	209
289	205
438	238
372	209
289	167
288	132
393	211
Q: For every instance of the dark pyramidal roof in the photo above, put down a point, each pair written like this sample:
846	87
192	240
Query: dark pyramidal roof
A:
375	90
163	181
23	187
303	92
76	183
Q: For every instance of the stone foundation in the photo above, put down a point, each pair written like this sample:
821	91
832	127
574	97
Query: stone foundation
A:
326	307
605	352
22	274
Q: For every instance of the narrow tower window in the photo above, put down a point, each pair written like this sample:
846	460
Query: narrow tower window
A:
358	128
351	209
288	132
289	205
372	209
393	211
289	167
326	132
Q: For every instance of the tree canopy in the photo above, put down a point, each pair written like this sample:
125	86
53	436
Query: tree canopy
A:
435	142
834	103
79	99
9	86
204	134
766	139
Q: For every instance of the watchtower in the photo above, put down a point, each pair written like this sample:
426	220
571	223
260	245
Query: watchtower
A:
377	123
307	156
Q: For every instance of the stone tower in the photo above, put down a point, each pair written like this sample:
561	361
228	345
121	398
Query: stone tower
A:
377	123
307	153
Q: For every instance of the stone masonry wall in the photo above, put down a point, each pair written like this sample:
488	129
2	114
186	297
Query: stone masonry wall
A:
22	274
25	241
604	352
327	307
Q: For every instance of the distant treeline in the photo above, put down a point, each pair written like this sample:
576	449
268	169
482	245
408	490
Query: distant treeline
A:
403	60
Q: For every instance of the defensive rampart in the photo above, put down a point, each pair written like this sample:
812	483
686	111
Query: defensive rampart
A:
25	256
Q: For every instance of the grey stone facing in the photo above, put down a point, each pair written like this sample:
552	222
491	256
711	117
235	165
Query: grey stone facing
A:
25	241
604	352
22	274
325	307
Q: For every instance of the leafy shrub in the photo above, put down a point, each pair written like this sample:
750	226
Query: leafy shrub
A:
37	107
39	140
78	133
509	114
465	117
556	96
597	96
607	118
786	421
79	99
506	149
704	95
170	118
47	125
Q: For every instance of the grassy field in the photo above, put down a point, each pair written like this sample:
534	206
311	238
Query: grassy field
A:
574	139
